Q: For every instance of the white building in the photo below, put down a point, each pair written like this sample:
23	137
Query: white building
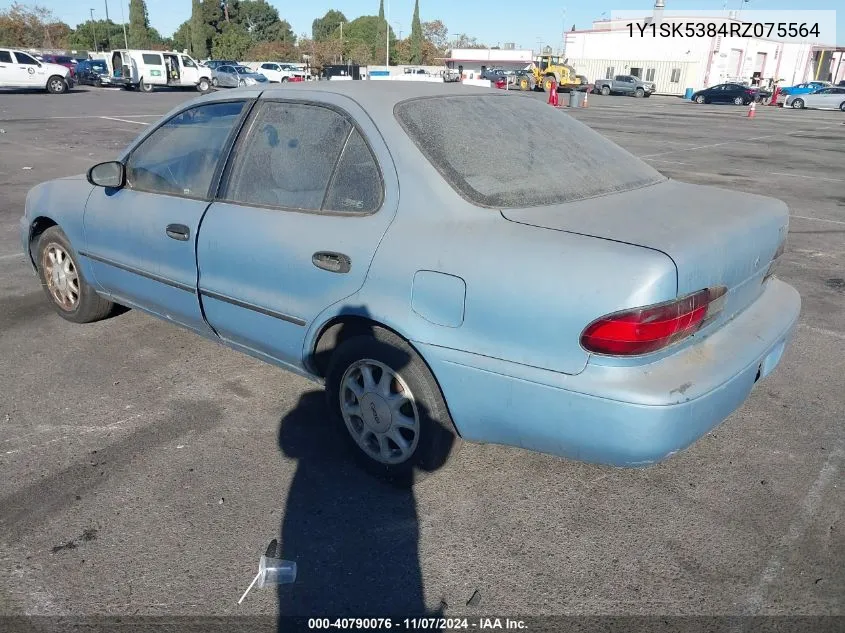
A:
472	59
678	63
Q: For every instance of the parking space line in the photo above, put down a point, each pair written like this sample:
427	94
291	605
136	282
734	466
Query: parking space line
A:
778	173
114	118
804	217
671	162
11	256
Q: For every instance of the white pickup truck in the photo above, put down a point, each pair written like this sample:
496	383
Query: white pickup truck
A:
281	73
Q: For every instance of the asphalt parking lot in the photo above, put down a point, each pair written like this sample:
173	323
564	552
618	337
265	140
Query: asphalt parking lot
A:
144	470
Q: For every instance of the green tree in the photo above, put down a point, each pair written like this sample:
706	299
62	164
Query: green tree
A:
369	30
381	9
108	35
261	20
32	27
139	24
416	36
199	31
232	42
326	27
182	37
436	33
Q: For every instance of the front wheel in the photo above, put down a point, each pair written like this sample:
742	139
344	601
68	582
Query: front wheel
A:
842	106
700	99
605	90
66	288
389	406
203	85
798	104
639	93
57	85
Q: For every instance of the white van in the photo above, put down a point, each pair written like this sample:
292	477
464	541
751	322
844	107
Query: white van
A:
147	69
22	70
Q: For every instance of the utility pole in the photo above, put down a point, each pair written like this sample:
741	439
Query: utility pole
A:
387	36
107	9
123	22
94	29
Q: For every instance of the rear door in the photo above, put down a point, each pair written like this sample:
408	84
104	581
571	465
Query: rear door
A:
10	74
141	239
307	195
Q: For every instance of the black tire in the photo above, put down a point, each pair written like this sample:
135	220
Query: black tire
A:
204	85
57	85
145	87
284	80
214	81
436	442
639	93
700	99
89	306
605	90
739	101
798	104
842	106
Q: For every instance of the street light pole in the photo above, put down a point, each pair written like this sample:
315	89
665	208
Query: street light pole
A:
387	36
123	23
94	29
107	9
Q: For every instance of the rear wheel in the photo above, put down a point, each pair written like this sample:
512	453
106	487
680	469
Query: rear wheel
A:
798	104
389	406
523	84
284	80
145	87
66	288
56	85
548	82
605	90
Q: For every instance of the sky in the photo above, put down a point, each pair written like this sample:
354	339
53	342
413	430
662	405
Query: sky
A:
537	22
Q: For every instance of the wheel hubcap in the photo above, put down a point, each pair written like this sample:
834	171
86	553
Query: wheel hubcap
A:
61	276
379	411
57	85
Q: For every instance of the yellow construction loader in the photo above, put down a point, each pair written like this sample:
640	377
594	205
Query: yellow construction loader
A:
549	68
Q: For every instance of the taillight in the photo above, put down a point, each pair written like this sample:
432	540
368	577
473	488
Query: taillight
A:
651	328
775	259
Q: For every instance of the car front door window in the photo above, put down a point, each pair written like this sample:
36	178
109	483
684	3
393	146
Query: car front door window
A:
180	157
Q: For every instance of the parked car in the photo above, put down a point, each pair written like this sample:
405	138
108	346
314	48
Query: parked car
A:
832	98
234	76
804	88
270	220
22	70
144	70
281	73
62	60
625	85
93	72
727	93
214	64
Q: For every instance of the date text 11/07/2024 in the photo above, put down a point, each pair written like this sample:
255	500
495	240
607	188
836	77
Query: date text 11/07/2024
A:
734	29
417	624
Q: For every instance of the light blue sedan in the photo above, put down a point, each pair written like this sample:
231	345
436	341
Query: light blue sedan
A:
560	296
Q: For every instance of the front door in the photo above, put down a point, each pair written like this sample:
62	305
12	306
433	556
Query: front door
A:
141	239
190	72
303	208
30	70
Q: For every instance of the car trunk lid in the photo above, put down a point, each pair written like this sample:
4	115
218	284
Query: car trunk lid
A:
715	237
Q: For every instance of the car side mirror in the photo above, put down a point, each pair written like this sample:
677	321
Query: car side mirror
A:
111	174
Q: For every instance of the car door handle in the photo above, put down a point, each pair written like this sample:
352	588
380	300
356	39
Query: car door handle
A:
178	232
332	262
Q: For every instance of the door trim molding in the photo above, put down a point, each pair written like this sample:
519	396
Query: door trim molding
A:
251	306
143	273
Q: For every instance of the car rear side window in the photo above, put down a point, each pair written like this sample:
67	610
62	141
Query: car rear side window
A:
181	156
556	159
288	158
5	57
151	60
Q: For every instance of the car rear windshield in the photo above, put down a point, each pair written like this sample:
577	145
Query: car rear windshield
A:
513	151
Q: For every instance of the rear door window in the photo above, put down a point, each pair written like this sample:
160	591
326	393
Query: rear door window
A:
5	57
557	160
151	60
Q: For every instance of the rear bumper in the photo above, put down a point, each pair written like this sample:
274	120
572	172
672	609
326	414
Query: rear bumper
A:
622	416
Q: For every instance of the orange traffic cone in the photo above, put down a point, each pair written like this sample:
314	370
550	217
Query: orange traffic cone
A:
752	110
586	94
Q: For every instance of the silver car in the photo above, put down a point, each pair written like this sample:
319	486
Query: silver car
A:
825	99
228	76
